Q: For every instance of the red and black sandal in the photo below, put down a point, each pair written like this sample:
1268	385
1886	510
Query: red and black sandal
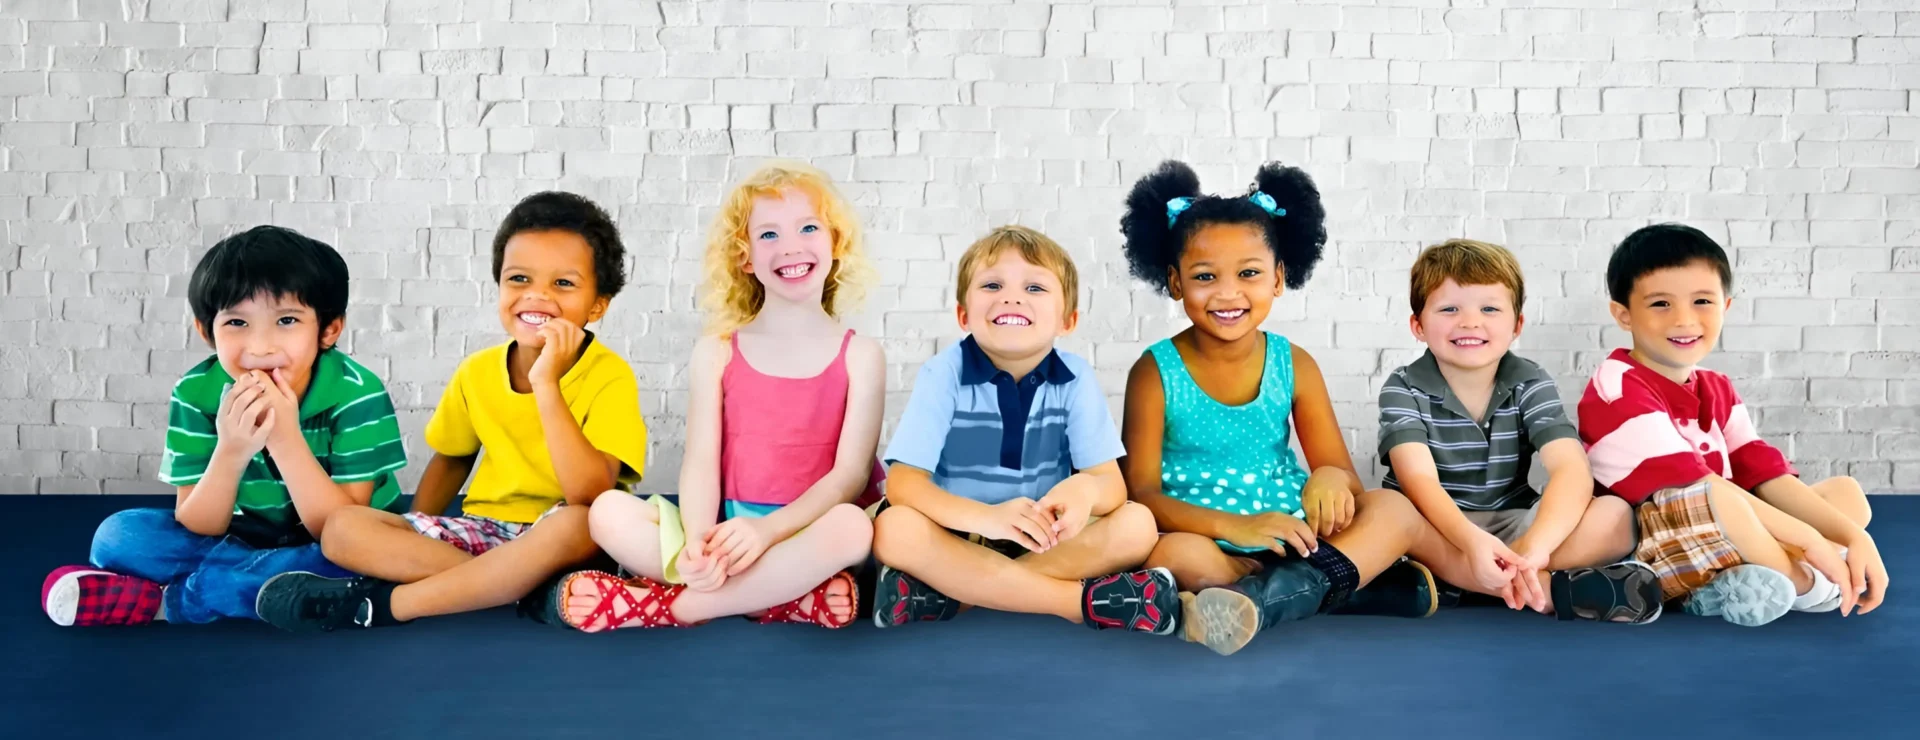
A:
652	609
85	596
811	607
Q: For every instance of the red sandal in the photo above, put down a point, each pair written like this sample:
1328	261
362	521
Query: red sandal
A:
811	607
614	591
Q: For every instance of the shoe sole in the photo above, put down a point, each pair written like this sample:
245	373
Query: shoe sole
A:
1433	588
1228	620
1642	587
63	596
1746	595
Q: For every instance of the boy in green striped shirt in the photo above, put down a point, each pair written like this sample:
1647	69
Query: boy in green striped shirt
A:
265	439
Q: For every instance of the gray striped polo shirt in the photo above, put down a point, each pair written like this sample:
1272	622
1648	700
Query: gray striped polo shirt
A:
1483	465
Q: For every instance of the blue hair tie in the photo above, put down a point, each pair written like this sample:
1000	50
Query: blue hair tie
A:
1178	206
1266	201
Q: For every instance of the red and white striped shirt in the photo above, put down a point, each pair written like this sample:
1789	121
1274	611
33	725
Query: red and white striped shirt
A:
1644	432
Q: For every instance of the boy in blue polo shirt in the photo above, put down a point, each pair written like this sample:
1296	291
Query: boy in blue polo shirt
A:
1004	487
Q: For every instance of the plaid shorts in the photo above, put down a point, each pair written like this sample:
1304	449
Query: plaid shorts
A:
1683	542
471	533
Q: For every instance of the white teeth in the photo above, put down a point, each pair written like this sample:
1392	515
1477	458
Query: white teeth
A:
794	271
1230	315
1469	342
1012	320
535	319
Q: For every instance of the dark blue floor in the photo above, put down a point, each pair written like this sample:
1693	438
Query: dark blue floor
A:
1474	672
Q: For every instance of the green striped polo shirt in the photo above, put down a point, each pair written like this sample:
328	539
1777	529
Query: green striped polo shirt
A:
346	416
1483	464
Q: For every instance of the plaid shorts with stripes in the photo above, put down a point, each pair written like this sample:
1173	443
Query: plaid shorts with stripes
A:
473	534
1682	540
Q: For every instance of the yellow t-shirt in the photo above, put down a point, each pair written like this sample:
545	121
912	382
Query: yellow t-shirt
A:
514	479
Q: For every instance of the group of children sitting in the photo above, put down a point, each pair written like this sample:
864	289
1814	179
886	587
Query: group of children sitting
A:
1007	483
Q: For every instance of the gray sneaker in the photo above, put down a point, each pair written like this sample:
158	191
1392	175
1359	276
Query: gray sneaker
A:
1747	595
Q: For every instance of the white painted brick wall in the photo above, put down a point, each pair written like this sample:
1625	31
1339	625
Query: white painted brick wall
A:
133	135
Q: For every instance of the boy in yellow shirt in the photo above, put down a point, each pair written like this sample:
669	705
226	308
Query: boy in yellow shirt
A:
558	414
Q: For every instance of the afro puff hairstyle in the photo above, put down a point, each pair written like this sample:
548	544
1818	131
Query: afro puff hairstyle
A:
1153	245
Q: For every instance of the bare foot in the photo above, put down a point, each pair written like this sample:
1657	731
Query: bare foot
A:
585	594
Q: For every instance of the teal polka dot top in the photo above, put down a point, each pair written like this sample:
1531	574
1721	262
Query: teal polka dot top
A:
1235	459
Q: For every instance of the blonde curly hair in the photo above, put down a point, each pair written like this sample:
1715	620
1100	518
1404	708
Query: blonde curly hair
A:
731	296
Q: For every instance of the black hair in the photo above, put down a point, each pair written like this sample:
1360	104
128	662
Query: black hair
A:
268	260
1658	247
1153	245
556	210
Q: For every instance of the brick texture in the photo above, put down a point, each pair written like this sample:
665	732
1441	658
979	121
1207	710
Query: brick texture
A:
133	135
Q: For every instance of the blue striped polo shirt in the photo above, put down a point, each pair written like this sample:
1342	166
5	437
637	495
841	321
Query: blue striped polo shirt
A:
987	436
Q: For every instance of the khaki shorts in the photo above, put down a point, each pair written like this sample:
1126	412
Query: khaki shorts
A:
1506	524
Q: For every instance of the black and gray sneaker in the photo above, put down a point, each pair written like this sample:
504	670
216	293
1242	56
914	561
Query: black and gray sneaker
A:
308	602
1405	589
899	598
1627	591
1140	601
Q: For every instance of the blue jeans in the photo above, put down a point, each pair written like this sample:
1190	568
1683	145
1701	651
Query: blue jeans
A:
207	578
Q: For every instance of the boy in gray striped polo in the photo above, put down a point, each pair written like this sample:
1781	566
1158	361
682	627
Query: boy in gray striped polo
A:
1004	488
265	439
1458	431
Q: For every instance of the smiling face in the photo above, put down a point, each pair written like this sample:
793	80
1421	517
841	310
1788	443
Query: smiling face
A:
1015	309
546	275
269	332
1675	315
790	248
1227	279
1468	326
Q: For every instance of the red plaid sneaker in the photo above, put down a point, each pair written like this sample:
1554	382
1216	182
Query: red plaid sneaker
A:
84	596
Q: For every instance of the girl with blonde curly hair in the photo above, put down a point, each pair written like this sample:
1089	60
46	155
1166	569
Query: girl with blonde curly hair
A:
782	430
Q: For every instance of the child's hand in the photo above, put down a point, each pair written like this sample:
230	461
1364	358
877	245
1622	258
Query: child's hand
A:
739	543
1069	507
286	407
1869	574
1328	504
1270	531
700	570
1020	520
560	344
1494	564
1525	588
245	418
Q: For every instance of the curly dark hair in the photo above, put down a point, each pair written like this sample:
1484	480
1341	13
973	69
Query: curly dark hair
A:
1152	245
556	210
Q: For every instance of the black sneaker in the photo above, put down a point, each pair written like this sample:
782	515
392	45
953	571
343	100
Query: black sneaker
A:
1404	589
1141	601
899	598
1627	591
308	602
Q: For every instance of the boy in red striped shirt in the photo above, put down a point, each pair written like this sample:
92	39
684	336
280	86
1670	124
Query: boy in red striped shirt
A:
1723	517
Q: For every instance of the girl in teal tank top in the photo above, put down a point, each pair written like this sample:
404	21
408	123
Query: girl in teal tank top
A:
1211	413
1236	459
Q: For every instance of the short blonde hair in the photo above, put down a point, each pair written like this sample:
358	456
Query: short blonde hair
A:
731	296
1036	248
1467	262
